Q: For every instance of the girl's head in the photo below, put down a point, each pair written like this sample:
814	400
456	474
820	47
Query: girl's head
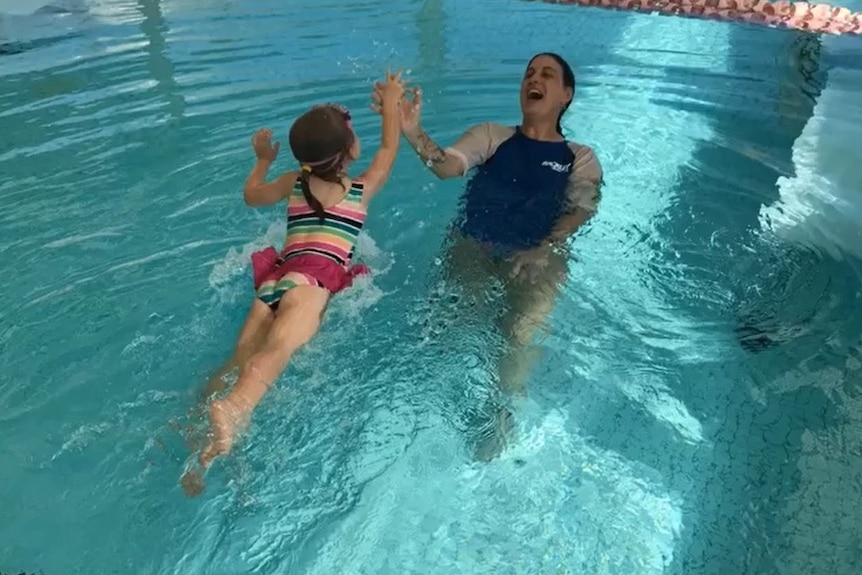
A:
323	142
322	139
547	89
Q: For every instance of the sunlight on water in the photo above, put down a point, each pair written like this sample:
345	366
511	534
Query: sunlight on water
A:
570	501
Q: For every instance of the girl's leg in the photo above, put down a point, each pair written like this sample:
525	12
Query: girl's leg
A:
251	338
297	321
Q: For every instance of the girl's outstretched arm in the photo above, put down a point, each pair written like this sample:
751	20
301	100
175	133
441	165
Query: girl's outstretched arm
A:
380	169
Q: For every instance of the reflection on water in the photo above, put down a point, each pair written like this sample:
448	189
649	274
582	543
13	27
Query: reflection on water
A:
696	368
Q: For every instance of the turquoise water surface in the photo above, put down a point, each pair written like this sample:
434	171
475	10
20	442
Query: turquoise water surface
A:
697	406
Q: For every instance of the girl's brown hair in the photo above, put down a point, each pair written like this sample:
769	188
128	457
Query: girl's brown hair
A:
321	140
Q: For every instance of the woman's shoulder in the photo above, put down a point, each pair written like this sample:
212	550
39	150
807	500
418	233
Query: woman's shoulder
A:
587	164
492	131
580	149
480	142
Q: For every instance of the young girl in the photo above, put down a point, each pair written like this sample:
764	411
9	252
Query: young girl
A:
326	210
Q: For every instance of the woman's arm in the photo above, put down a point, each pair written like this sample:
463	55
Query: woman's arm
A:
568	224
583	193
444	165
472	149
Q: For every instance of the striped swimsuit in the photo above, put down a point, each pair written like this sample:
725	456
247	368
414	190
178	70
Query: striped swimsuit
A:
316	252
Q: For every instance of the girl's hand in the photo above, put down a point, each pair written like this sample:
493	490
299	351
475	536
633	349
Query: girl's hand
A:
263	146
392	90
409	108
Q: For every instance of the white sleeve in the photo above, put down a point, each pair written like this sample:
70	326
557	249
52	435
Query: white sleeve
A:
479	143
585	179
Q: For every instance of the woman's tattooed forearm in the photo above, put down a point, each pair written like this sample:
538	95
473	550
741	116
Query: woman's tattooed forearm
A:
427	149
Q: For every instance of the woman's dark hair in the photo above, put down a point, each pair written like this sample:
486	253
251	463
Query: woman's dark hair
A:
320	140
568	82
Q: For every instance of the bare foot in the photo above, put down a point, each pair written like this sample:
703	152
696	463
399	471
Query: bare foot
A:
226	418
194	433
192	481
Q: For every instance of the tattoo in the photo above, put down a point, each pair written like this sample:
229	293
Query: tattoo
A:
428	150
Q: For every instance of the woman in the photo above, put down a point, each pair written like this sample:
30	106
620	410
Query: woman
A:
531	190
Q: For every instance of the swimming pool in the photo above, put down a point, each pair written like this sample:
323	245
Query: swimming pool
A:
651	441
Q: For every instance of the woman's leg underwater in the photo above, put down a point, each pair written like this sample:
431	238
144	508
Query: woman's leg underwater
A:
530	300
461	285
480	280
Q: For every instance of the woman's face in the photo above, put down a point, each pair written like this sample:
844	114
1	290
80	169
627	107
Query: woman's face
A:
543	94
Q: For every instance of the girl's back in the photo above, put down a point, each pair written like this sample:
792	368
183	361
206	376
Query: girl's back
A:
335	235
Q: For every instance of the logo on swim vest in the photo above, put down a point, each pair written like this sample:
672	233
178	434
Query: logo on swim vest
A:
557	167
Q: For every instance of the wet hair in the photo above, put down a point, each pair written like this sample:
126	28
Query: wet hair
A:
568	82
321	140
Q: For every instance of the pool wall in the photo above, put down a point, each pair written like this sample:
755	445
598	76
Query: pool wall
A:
821	205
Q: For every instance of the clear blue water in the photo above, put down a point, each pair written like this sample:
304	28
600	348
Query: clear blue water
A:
651	440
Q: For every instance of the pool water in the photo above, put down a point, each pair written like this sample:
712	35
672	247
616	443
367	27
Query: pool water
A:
696	407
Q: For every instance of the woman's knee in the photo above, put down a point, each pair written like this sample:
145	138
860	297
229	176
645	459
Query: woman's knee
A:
527	313
520	330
